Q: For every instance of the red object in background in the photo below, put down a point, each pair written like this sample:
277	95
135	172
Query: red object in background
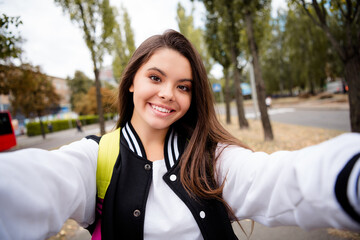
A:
7	134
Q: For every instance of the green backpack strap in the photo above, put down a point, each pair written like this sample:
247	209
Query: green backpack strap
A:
109	148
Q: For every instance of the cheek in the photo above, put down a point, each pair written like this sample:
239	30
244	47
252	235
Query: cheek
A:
186	103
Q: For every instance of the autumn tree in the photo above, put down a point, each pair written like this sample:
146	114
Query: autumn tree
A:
96	19
123	44
85	103
31	92
340	20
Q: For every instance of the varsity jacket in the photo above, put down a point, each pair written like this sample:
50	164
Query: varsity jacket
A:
122	212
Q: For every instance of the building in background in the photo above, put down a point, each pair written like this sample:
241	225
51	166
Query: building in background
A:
63	90
106	75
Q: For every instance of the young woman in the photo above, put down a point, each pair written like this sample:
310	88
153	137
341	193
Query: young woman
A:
177	173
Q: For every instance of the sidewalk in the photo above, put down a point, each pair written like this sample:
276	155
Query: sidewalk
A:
337	101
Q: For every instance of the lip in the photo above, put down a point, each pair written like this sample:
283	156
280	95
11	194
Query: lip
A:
161	106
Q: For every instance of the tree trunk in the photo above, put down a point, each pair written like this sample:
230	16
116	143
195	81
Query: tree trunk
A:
227	96
243	123
352	75
99	102
260	86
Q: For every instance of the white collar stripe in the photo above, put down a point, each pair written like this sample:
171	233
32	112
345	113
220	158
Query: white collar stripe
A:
133	138
126	136
176	147
171	159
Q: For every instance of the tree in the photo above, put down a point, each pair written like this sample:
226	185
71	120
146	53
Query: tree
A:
122	49
195	35
85	103
308	50
9	42
249	9
92	15
340	21
79	85
215	38
297	44
274	61
31	92
222	12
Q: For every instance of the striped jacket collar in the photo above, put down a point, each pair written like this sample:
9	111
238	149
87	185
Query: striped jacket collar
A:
173	147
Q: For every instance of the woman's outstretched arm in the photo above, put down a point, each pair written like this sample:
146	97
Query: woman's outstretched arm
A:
314	187
40	190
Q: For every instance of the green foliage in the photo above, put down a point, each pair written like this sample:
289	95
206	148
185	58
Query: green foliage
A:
122	49
96	19
79	85
195	35
297	55
9	42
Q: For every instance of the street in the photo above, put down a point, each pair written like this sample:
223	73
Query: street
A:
337	118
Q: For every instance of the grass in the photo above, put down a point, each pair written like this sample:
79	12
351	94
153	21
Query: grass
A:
286	136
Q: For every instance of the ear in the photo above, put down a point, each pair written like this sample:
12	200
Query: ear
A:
131	88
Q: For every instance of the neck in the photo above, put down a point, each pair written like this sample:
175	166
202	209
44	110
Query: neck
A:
153	140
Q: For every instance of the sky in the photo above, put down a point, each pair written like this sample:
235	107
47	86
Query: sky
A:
56	44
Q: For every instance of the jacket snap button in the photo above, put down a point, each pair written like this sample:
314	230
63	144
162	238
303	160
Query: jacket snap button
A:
147	167
173	177
137	213
202	214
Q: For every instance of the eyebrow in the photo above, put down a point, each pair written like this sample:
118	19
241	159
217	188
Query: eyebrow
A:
164	74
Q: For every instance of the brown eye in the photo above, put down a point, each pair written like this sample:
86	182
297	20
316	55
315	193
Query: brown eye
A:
184	88
155	78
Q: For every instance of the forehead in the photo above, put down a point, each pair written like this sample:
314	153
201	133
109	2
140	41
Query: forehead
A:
169	61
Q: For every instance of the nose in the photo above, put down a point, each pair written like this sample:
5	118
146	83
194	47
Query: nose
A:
166	92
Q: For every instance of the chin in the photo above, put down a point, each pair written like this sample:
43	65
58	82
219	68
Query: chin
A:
160	125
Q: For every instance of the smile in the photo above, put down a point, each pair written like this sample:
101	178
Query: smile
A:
161	109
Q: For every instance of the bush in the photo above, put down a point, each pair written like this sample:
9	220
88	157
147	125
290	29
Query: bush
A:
33	128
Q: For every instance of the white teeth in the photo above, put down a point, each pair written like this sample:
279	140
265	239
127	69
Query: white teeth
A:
160	109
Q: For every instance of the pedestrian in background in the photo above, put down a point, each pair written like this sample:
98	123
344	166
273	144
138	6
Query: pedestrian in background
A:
268	101
170	170
50	127
78	125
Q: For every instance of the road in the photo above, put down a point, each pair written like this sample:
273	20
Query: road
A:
324	117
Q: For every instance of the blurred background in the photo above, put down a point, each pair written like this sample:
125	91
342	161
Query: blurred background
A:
285	73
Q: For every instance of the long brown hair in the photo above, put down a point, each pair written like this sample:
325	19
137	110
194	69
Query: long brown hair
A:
200	124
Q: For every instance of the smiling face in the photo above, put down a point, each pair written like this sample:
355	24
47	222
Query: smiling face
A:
161	90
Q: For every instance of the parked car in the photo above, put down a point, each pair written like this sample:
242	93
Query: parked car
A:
337	86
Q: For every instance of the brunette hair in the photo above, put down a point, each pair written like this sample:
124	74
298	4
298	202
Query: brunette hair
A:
200	124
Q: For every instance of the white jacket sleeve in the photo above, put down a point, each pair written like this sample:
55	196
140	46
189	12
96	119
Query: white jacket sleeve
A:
40	190
302	188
